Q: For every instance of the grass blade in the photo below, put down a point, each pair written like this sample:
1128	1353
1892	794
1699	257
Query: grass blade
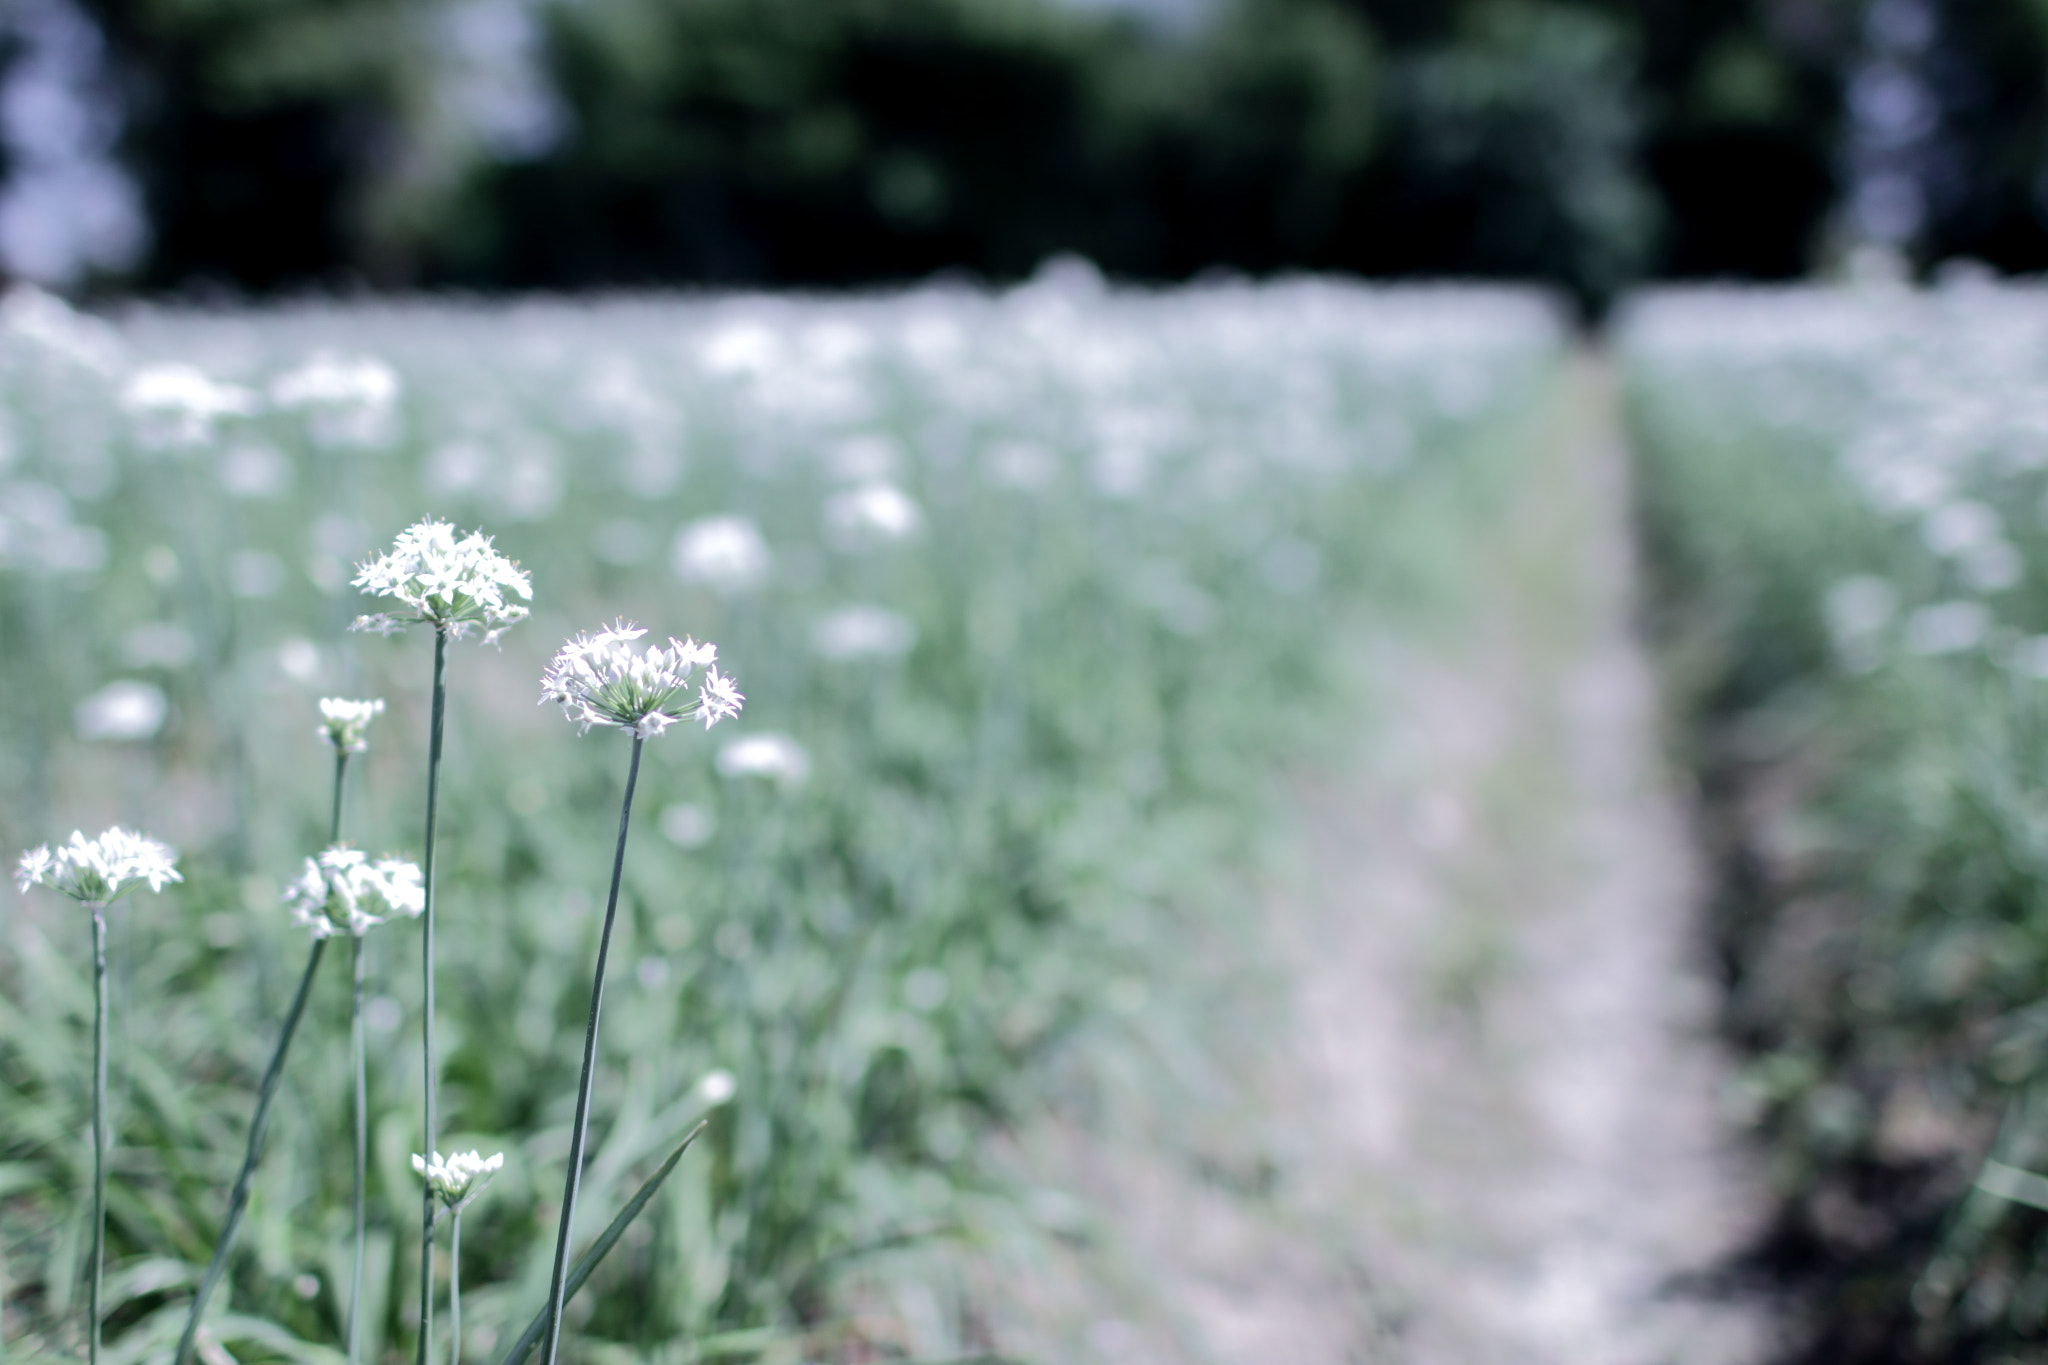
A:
586	1263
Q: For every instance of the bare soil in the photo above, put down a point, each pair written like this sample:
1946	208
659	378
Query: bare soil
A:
1469	1109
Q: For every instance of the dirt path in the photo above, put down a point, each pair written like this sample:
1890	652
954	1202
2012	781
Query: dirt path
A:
1494	1135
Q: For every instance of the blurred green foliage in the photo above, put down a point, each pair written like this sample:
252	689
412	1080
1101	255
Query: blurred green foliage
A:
1841	499
319	142
1046	729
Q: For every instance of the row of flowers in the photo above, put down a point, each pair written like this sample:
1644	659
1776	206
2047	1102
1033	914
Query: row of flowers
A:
458	586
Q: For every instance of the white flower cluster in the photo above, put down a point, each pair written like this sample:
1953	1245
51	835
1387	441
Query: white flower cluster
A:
776	757
341	891
345	724
451	584
457	1178
600	680
95	871
351	400
726	553
177	406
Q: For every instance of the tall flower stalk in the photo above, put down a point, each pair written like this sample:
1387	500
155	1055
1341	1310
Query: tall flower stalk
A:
94	872
458	586
344	725
601	680
340	891
455	1181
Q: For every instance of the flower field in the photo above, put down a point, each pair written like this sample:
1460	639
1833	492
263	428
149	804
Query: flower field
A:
1844	501
1028	594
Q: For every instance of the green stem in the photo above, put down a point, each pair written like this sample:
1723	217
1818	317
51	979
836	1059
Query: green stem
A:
455	1287
601	1248
556	1281
356	1058
238	1202
434	734
340	772
99	1127
357	1066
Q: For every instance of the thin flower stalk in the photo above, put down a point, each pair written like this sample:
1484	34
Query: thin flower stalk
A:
432	1081
580	1124
344	725
339	892
602	680
94	872
457	585
456	1181
360	1107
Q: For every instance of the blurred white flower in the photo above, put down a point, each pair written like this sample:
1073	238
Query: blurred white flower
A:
1991	565
1859	606
450	584
299	660
95	871
2030	657
123	710
342	892
37	532
457	466
600	680
863	631
253	471
345	724
1017	464
1947	628
43	318
717	1087
872	514
863	458
177	406
458	1177
1956	527
741	348
769	755
725	552
687	825
349	401
157	644
925	989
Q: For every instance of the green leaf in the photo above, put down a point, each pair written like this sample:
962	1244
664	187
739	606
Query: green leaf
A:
586	1263
2014	1184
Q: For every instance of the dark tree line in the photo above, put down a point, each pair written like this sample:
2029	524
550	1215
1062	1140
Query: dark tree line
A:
316	143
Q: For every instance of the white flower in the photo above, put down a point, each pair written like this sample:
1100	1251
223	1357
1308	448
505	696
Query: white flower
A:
726	553
349	400
600	680
450	584
177	405
717	1087
345	724
772	756
95	871
1954	528
863	631
327	380
458	1177
122	710
341	891
870	514
1948	627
